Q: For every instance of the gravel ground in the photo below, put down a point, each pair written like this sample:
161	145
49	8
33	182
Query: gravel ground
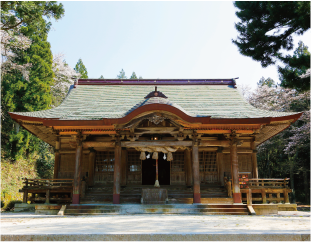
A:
286	222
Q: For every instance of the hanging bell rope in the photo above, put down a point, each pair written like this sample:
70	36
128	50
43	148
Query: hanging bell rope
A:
155	155
169	156
143	155
156	149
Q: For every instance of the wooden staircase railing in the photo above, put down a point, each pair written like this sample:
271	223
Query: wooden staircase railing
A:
42	190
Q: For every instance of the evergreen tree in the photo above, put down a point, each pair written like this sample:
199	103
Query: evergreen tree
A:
266	82
133	76
267	28
121	75
296	66
80	68
18	93
101	77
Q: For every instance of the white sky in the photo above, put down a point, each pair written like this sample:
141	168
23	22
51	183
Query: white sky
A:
156	40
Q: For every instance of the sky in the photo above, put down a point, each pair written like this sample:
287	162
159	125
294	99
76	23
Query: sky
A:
185	40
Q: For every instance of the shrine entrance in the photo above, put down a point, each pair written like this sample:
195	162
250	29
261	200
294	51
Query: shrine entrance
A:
149	171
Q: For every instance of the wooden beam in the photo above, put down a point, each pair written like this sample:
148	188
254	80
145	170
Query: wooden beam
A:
224	143
248	151
93	144
72	151
155	143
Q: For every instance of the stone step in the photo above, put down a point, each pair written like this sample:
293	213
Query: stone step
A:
216	209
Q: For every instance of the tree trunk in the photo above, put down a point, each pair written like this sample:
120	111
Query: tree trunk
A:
292	183
306	187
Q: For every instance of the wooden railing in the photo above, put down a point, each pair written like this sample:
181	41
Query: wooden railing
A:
46	190
266	190
262	190
47	183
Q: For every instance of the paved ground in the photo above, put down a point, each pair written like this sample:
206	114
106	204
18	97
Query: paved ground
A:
291	225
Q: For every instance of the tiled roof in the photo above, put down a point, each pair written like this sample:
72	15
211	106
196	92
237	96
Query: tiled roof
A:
91	102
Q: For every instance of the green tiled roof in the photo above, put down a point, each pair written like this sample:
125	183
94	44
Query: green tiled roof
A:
89	102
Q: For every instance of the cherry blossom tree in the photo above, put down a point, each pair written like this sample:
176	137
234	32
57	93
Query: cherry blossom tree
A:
64	76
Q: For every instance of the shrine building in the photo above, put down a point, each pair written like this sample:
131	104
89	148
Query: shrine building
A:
121	136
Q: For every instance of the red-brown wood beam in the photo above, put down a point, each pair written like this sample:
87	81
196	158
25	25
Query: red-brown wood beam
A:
123	167
77	174
117	172
196	172
188	167
254	159
236	193
91	169
57	158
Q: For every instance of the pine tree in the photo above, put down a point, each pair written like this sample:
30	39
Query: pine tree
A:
133	76
296	66
266	30
80	68
266	82
121	75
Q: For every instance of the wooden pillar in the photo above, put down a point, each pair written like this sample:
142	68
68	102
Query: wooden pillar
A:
254	159
77	175
57	158
235	172
117	172
196	173
123	166
91	170
188	167
221	167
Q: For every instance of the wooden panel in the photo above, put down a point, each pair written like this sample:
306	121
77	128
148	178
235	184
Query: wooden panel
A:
245	162
208	167
104	167
67	162
134	168
178	175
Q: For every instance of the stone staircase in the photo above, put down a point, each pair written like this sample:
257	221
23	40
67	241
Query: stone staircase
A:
211	193
199	209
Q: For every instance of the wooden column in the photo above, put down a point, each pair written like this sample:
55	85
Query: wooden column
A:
77	175
196	171
91	170
117	172
188	167
123	166
221	167
57	158
236	193
254	159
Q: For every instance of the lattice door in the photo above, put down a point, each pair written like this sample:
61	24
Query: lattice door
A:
208	167
178	176
104	167
134	168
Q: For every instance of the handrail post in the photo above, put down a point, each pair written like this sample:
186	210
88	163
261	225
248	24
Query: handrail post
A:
264	196
249	197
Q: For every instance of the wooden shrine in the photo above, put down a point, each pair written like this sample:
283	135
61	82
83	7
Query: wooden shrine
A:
191	133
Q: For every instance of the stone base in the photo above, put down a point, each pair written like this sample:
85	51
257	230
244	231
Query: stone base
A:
154	196
265	209
51	209
24	207
287	207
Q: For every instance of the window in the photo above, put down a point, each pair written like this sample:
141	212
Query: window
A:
104	161
178	163
134	162
207	161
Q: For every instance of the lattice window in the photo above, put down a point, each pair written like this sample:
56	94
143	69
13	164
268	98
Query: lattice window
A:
178	162
134	162
207	161
104	161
